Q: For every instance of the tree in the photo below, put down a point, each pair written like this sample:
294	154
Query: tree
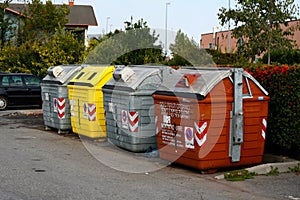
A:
42	41
136	45
62	48
41	20
185	51
262	24
6	24
37	56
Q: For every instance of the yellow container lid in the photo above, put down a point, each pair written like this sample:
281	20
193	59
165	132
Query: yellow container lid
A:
92	76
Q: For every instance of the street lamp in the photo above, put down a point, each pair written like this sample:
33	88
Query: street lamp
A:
107	18
229	35
166	28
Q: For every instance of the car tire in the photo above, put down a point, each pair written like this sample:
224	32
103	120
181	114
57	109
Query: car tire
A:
3	103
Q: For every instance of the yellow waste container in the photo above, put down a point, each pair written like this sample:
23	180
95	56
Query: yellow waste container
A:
86	100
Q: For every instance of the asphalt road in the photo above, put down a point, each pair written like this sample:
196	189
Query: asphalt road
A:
38	164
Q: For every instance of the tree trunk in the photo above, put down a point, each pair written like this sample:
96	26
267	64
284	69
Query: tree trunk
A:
269	57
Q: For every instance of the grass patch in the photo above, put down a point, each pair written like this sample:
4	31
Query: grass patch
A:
273	172
239	175
295	169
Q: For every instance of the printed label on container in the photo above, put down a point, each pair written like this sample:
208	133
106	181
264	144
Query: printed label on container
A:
172	134
46	96
111	107
167	119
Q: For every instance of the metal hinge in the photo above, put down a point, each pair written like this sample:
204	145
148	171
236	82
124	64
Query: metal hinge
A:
237	119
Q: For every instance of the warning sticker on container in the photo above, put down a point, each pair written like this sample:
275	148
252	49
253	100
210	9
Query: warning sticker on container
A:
124	116
85	110
189	137
92	112
55	104
61	108
72	107
133	121
201	132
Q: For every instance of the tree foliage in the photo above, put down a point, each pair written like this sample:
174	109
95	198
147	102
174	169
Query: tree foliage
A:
61	48
261	24
225	58
37	56
185	51
42	42
41	20
6	24
135	45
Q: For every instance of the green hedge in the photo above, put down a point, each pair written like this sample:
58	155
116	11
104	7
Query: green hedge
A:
220	58
283	56
283	85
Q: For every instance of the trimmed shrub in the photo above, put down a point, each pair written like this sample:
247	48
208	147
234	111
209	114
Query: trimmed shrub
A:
283	85
284	56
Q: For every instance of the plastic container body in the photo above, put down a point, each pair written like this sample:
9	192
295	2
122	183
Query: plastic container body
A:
56	107
129	106
86	101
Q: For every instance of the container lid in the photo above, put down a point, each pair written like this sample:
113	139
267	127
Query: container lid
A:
138	77
61	74
92	75
199	81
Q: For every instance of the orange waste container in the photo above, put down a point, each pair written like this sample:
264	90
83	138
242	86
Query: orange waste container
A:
211	118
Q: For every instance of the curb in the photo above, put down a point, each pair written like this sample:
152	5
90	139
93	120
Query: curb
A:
23	112
266	168
31	112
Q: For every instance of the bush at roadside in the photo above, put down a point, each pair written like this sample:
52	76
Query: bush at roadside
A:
283	85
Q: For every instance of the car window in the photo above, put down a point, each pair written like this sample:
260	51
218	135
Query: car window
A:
5	81
16	80
32	81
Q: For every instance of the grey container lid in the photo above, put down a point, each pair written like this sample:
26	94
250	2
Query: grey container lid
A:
133	78
198	81
61	74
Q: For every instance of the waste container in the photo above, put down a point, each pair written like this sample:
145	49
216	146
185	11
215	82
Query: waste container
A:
129	106
86	101
56	108
211	118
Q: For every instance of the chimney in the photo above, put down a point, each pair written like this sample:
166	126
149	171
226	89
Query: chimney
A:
71	2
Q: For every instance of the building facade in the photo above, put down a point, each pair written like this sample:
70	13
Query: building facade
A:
219	40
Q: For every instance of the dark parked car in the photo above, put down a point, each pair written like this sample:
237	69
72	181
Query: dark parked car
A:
19	89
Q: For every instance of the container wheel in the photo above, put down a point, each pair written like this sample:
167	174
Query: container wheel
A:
3	103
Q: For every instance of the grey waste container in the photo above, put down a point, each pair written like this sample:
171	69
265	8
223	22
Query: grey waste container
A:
56	108
129	106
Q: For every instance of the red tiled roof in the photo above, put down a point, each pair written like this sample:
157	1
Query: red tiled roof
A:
80	15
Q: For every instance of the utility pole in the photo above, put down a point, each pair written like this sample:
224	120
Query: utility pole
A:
107	18
166	28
